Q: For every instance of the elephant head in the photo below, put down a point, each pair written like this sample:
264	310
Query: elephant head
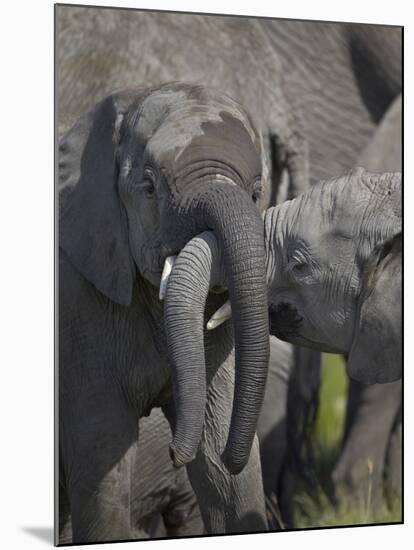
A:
142	174
334	271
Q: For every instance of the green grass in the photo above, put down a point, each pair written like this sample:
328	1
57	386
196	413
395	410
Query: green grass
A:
332	403
317	510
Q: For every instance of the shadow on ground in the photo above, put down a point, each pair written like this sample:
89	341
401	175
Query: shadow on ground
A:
43	533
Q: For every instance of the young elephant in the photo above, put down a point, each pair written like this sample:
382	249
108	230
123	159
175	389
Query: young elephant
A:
163	501
334	272
140	175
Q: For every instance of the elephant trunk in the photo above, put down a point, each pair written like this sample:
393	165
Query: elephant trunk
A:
188	286
236	222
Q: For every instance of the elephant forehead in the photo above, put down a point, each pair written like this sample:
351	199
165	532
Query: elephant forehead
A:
178	131
324	223
206	136
334	207
154	108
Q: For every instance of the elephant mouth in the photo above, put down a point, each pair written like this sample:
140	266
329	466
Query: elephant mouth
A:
218	294
285	321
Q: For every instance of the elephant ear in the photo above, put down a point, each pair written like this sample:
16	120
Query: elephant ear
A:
290	156
92	225
376	352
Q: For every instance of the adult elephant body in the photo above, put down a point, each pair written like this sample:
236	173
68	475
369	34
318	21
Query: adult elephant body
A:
140	175
232	54
342	77
370	462
316	90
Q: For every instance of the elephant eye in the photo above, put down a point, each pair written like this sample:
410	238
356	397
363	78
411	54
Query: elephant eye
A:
257	190
148	184
256	196
297	267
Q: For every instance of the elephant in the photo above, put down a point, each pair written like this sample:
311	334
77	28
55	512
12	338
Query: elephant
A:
370	461
342	77
333	261
153	48
373	419
163	501
232	54
384	151
334	272
316	90
290	404
143	173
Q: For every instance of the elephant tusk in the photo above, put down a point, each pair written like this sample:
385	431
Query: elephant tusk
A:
166	272
221	315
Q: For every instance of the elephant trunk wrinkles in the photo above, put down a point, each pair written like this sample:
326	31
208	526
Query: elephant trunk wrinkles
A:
195	272
236	222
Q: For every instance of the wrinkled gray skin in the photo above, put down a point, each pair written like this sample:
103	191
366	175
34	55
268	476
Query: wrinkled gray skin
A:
316	90
100	51
334	272
342	77
323	69
373	418
141	175
384	151
290	402
94	58
371	461
271	428
163	501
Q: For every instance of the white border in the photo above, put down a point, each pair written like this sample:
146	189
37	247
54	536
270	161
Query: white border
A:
26	230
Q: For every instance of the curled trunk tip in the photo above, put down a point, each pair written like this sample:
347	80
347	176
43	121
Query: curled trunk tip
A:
179	457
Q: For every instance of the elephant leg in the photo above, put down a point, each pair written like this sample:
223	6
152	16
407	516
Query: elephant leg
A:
182	515
273	451
393	463
228	503
286	491
359	472
98	458
271	428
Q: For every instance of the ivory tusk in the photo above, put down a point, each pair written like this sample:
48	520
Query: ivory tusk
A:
221	315
166	272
